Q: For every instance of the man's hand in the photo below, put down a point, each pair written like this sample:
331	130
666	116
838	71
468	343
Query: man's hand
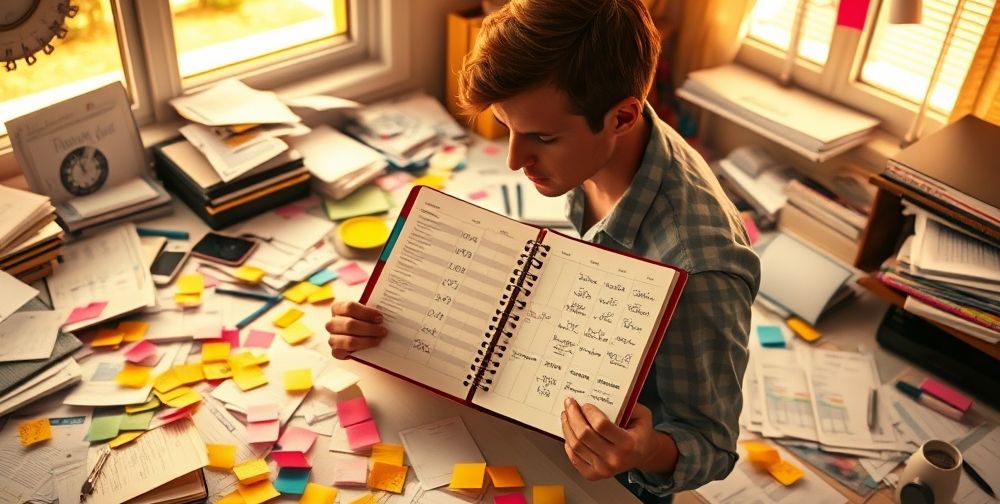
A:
600	449
354	326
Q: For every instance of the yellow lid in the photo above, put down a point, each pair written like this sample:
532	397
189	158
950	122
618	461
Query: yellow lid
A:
364	232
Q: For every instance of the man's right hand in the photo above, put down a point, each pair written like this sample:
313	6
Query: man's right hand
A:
354	326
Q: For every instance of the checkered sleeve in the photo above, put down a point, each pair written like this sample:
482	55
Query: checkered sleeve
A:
698	372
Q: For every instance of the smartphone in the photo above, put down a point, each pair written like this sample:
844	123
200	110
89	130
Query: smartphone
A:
169	261
228	250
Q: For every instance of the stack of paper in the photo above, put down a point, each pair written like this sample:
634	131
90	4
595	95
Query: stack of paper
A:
30	240
339	164
406	130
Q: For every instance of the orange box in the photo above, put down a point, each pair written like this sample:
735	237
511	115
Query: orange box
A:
463	28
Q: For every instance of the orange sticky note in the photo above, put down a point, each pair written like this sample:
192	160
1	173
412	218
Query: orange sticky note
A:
249	377
548	494
761	453
324	293
388	453
298	380
34	431
251	471
785	472
256	493
318	494
215	351
249	274
387	477
189	373
286	319
233	497
296	333
133	376
468	476
166	381
221	456
125	438
803	329
216	370
505	476
134	330
300	292
107	338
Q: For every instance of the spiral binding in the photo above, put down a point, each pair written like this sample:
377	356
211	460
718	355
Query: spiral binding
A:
504	321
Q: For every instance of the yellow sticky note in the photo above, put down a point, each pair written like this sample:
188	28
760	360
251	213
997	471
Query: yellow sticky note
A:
430	181
286	319
146	406
298	380
803	329
548	494
133	376
318	494
468	476
34	431
761	453
233	497
215	351
166	381
125	438
368	498
261	491
134	330
187	299
221	456
249	274
387	477
216	370
300	292
107	338
505	476
251	471
249	377
785	472
296	333
388	453
191	283
189	373
324	293
182	400
245	359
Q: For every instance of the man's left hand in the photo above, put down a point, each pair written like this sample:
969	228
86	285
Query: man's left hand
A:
600	449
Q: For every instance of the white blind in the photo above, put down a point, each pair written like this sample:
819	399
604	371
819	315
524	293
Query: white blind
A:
900	58
771	23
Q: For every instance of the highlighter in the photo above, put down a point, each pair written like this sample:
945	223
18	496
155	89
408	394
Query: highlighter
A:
929	401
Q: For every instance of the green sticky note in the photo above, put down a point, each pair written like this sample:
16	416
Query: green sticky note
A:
105	424
367	200
136	421
770	336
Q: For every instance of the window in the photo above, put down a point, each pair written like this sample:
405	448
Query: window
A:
883	70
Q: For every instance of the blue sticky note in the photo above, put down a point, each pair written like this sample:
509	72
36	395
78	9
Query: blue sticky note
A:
322	276
770	336
291	480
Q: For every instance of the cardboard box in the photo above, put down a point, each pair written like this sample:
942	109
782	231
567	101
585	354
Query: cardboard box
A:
463	28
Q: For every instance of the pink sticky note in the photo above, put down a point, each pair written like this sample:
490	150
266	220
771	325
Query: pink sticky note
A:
297	439
91	311
290	459
289	211
353	411
170	414
478	195
262	412
947	394
231	336
512	498
140	351
363	435
752	232
491	150
393	180
352	274
210	281
351	472
263	432
259	339
852	14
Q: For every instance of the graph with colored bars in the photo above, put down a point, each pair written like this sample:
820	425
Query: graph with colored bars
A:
832	411
785	407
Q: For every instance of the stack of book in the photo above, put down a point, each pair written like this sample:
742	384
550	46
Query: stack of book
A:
752	175
30	239
819	215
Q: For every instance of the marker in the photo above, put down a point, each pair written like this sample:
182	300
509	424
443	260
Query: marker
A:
257	313
929	401
872	408
246	294
166	233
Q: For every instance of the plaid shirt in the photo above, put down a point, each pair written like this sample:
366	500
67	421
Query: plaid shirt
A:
675	212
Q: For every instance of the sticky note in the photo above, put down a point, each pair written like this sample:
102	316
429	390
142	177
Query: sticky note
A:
249	377
259	339
468	476
217	371
297	439
770	336
166	381
784	472
290	459
249	274
289	211
125	438
297	380
505	476
215	351
336	379
286	319
233	497
803	329
134	330
947	394
368	498
191	283
252	471
34	431
352	471
353	411
430	181
262	412
324	293
323	277
140	351
187	299
221	456
299	292
393	180
86	312
231	336
387	477
548	494
210	282
104	425
172	394
247	359
107	338
363	435
318	494
748	223
136	421
296	333
153	403
187	398
388	453
291	480
258	492
761	453
263	432
511	498
189	373
133	376
367	200
352	274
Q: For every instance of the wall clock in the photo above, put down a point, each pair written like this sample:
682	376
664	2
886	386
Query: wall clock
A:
28	26
84	170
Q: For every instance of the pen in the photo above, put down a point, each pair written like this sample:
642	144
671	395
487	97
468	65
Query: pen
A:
88	484
258	312
872	407
931	402
247	294
166	233
980	482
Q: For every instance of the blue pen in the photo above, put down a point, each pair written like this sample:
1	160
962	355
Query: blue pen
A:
257	313
166	233
247	294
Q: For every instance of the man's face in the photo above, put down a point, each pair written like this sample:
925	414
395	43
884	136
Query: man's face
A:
556	149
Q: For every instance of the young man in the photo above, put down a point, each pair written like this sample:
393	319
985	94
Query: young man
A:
569	78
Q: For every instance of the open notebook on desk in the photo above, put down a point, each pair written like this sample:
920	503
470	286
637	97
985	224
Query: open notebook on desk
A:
510	318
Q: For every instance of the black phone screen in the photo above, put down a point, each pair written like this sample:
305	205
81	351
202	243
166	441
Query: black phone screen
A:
224	247
166	262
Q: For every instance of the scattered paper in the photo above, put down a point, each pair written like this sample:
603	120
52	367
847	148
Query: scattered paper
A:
16	293
231	102
29	335
336	379
435	448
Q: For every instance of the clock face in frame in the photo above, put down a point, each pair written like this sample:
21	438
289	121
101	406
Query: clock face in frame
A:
83	171
28	26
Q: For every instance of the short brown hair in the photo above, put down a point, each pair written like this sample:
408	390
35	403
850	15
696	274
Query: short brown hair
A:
597	51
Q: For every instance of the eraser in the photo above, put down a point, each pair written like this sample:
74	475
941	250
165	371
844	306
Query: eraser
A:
770	336
947	394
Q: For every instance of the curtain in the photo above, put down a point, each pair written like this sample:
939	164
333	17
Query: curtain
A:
707	33
980	94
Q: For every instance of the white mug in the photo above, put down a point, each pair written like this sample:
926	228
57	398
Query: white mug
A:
931	475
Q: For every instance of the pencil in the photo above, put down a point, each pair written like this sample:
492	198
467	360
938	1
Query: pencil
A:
247	294
258	312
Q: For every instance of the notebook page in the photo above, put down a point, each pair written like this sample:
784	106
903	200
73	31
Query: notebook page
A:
588	321
440	286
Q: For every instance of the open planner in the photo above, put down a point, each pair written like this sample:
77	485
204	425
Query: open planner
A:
510	318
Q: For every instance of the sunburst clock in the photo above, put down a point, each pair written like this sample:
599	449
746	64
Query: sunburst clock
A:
28	26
